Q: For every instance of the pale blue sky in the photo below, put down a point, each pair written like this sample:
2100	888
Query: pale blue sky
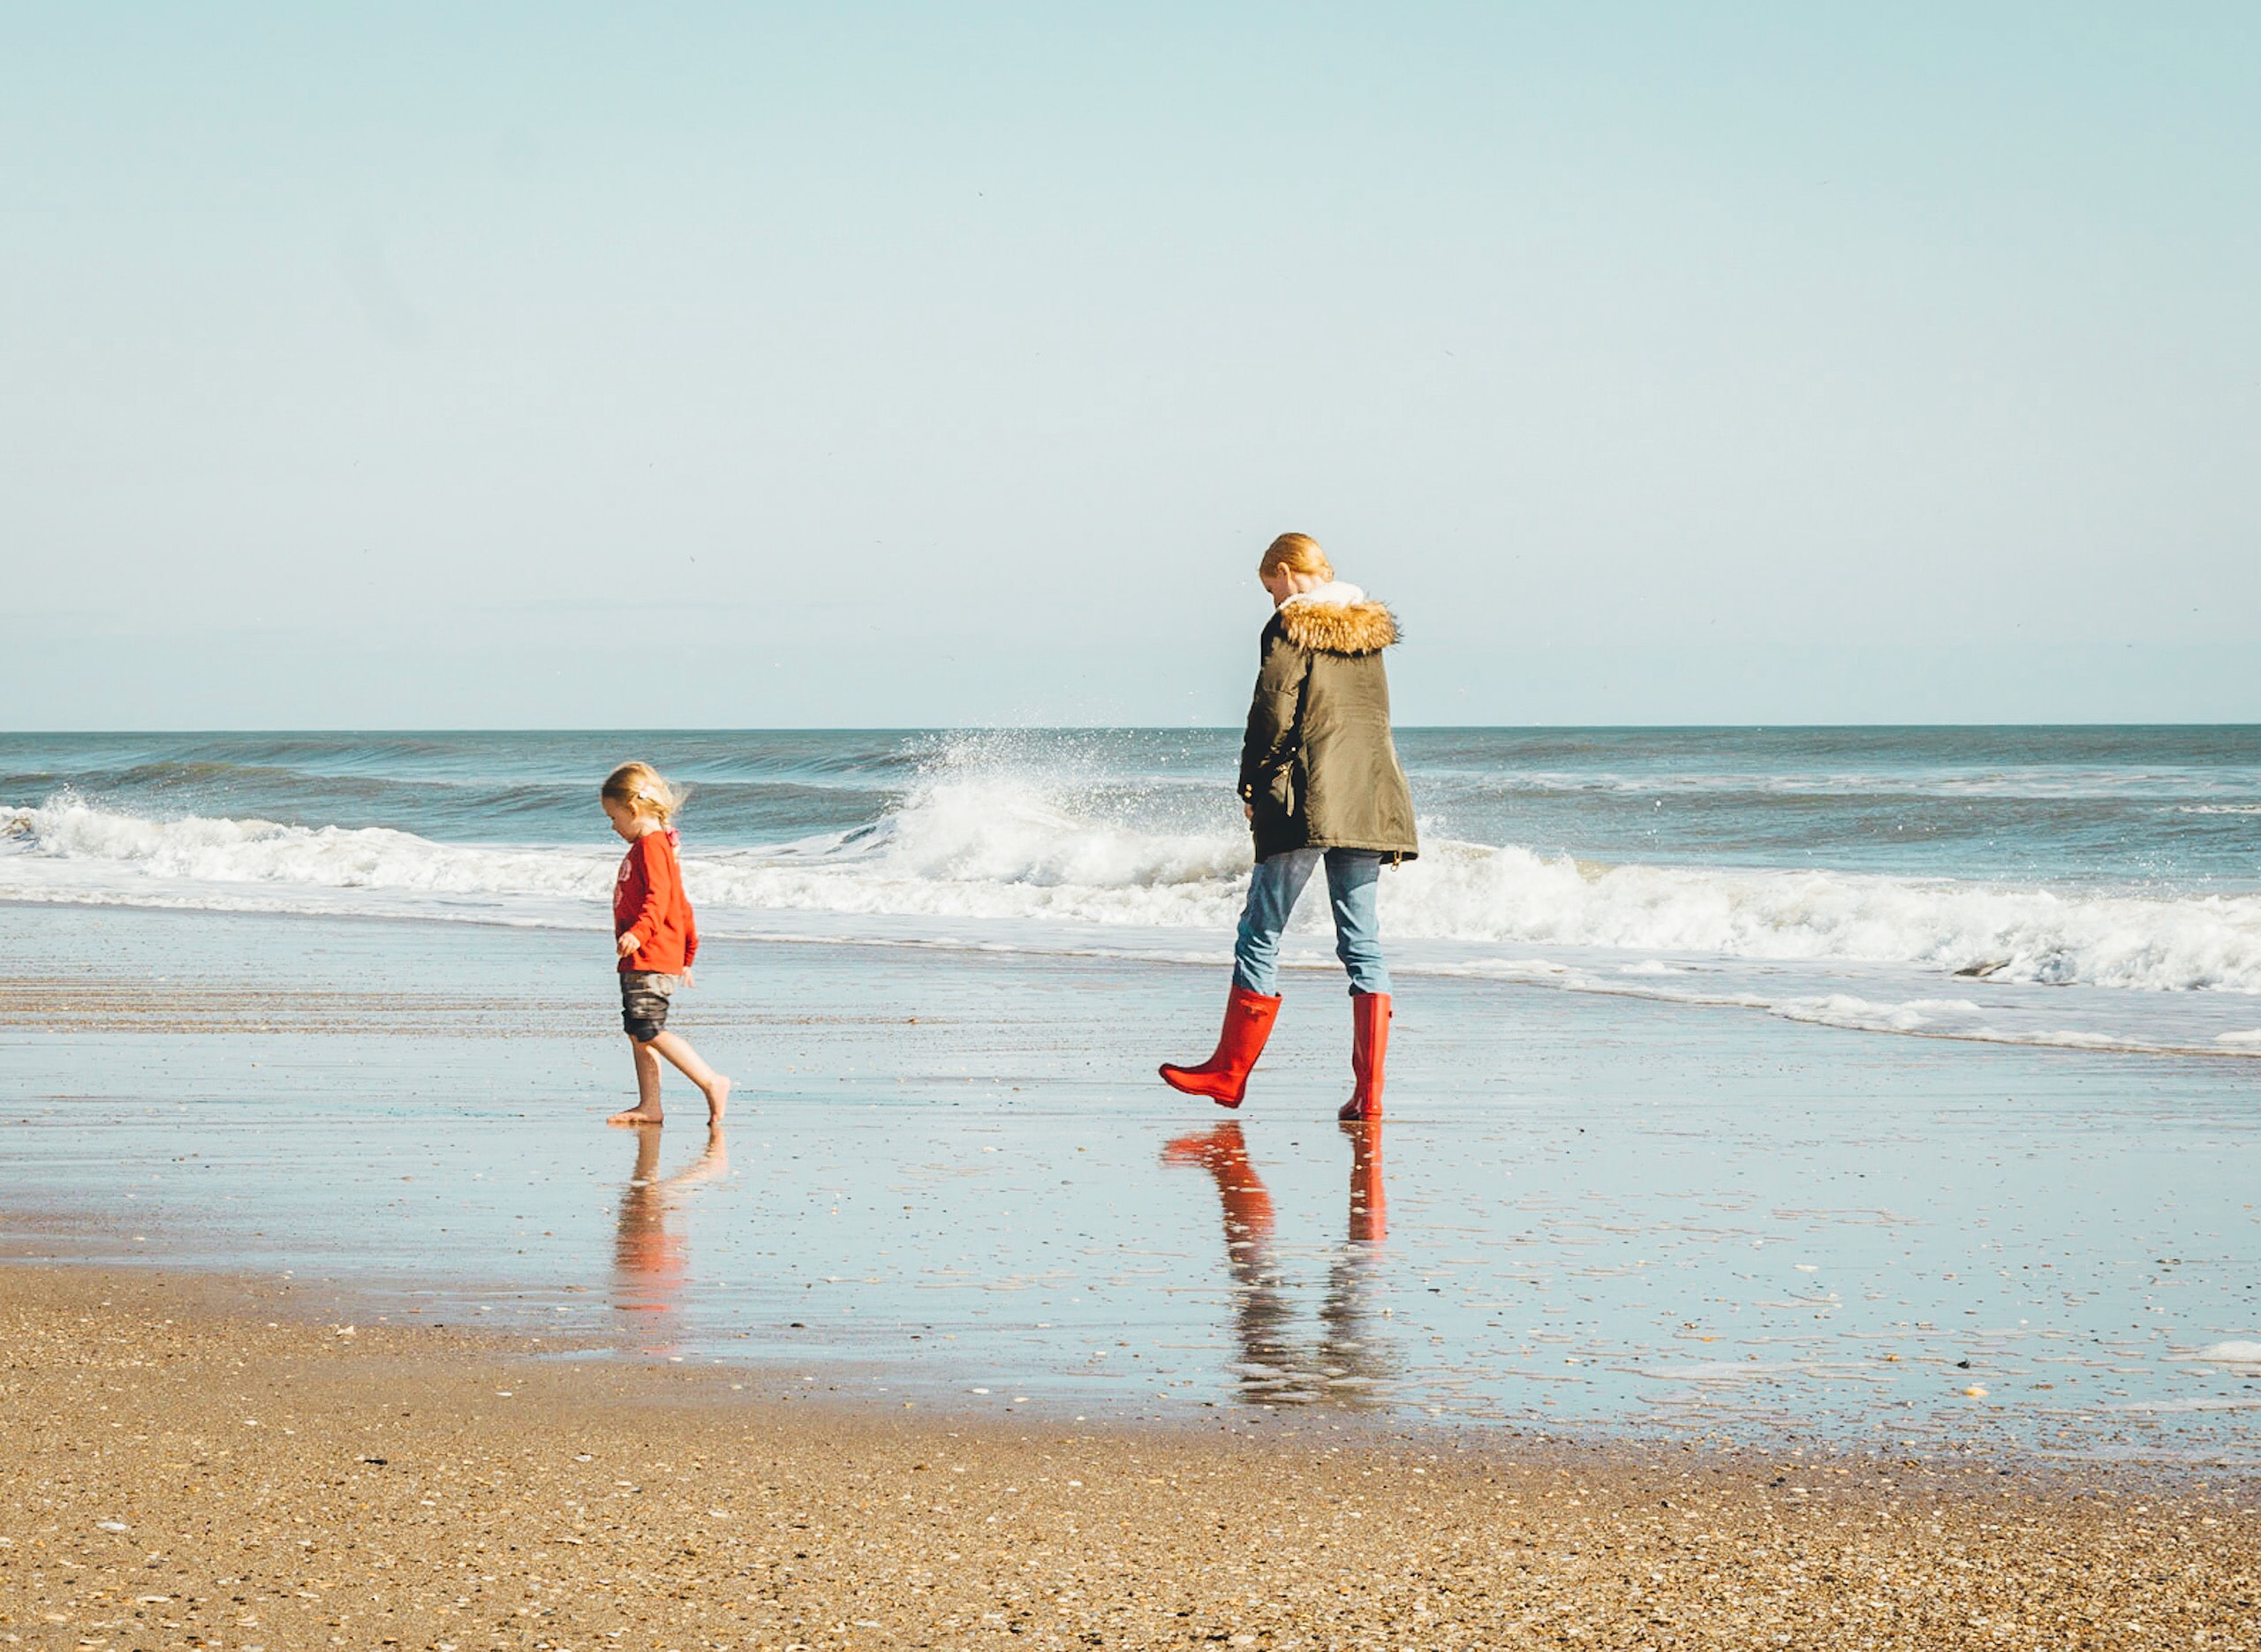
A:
723	364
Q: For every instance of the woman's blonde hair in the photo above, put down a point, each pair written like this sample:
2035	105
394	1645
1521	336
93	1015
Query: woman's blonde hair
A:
638	788
1295	554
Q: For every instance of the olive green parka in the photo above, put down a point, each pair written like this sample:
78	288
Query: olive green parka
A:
1318	766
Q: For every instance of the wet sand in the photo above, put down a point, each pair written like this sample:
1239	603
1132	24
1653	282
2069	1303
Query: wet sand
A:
951	1177
1651	1327
204	1462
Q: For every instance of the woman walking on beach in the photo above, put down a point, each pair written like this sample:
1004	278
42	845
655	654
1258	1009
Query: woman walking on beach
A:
657	938
1320	782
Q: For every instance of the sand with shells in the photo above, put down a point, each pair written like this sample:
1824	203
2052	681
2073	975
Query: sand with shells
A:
192	1462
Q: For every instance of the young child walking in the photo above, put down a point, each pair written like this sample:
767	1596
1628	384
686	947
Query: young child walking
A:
657	940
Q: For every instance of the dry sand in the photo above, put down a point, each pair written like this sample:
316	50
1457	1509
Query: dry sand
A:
199	1463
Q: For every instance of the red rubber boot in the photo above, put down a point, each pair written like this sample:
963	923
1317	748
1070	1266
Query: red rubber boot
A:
1369	1044
1223	1077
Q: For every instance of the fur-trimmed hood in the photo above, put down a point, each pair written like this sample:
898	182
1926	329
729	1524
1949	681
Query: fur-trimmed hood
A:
1337	619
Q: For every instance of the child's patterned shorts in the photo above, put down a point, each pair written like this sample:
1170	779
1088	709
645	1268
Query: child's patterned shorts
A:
644	996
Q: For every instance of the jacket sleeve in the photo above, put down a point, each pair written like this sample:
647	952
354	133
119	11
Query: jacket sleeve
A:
690	922
1272	712
652	873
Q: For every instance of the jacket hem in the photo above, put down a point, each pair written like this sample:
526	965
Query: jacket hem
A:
1396	849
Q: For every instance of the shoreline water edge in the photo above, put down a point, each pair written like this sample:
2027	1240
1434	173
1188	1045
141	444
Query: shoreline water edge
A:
946	1178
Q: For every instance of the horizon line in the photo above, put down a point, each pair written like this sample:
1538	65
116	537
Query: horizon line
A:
1071	727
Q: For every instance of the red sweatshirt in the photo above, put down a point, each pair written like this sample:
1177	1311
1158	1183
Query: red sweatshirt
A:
648	902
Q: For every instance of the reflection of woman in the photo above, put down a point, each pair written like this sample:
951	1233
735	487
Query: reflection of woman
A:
1369	1208
1320	782
649	1258
1274	1368
1346	1350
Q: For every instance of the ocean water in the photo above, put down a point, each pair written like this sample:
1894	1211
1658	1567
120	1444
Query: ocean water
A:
2092	888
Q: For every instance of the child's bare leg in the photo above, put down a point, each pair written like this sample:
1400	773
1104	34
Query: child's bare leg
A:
711	1084
646	1110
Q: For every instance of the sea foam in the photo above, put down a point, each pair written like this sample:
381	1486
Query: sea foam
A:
980	840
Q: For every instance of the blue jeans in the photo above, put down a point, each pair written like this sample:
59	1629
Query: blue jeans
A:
1272	890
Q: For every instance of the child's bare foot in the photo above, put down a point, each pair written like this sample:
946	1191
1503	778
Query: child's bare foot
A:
718	1097
637	1115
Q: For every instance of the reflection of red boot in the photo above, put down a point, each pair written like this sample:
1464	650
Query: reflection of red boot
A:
1223	1077
1223	1152
1369	1044
1369	1210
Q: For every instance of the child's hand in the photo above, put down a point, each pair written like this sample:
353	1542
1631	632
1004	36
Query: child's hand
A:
627	945
687	981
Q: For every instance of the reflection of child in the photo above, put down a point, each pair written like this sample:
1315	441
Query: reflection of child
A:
650	1258
657	940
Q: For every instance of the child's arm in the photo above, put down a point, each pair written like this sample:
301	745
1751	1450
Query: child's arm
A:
653	907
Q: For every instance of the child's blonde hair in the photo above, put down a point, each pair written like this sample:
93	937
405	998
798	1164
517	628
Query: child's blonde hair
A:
1295	554
638	788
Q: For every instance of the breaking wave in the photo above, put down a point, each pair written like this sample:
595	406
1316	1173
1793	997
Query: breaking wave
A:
978	839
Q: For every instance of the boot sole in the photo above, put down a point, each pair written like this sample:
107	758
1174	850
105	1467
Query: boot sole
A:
1197	1090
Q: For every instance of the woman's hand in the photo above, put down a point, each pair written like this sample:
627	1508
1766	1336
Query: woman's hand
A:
627	945
1249	810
